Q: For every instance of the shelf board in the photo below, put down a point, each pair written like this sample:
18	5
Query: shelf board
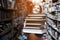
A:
8	9
50	16
7	19
51	35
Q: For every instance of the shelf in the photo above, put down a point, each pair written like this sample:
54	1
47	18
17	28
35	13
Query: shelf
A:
56	3
51	16
57	10
5	31
54	28
8	9
7	19
51	35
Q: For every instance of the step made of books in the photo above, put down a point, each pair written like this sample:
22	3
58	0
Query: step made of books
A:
34	21
36	15
33	24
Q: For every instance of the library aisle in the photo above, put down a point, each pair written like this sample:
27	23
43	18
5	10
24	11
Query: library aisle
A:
29	19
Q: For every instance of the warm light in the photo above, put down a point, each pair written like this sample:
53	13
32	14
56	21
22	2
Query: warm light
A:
36	1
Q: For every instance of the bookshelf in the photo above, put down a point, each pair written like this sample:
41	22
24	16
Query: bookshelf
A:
7	17
53	22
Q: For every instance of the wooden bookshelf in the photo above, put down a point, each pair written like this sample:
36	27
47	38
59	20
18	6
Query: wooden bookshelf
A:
7	16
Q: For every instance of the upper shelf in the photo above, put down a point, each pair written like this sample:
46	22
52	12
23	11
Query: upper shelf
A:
51	16
53	27
7	19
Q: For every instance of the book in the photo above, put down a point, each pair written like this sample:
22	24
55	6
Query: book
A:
11	3
4	3
0	3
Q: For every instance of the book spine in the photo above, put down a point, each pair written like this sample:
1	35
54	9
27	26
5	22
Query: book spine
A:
0	3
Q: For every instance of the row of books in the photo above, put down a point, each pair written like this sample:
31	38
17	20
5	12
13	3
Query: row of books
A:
7	3
4	26
5	15
8	36
51	26
53	34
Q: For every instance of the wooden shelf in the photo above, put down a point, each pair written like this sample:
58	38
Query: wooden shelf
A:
7	19
8	9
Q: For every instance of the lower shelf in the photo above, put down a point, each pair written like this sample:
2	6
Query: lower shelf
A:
5	31
51	35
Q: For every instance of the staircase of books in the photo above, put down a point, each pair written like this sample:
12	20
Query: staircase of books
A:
35	23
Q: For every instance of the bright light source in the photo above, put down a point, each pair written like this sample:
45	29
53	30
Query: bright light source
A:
36	1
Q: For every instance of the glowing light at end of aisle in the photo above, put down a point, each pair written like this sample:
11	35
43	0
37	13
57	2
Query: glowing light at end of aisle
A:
36	1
